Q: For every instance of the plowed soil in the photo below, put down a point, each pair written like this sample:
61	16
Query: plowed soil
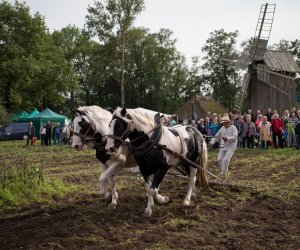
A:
258	214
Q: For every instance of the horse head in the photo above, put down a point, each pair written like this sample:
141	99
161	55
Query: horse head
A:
135	124
90	123
119	128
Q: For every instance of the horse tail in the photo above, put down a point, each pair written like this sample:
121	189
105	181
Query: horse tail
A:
202	178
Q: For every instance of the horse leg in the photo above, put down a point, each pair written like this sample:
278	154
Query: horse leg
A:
191	186
158	177
108	174
161	199
103	181
114	194
150	204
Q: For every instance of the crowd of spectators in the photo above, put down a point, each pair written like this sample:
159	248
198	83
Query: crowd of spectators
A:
257	129
260	130
57	134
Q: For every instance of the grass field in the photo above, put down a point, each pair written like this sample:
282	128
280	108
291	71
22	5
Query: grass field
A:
49	200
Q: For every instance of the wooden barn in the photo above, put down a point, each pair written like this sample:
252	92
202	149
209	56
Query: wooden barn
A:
272	82
198	106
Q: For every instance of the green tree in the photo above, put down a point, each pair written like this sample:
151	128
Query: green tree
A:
219	76
157	72
33	70
4	117
114	20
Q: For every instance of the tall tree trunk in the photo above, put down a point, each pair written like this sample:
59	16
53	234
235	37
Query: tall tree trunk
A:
72	101
122	70
6	96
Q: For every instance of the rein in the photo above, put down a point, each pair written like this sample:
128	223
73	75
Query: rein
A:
143	148
100	146
120	138
83	136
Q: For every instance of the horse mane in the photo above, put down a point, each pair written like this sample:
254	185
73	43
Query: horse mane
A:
140	115
96	116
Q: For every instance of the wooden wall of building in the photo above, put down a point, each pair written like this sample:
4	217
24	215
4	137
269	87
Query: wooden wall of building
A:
263	96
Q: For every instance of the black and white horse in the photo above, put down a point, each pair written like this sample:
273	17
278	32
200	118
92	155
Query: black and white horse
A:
146	138
91	123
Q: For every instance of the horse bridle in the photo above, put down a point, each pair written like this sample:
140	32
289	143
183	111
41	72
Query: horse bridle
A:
83	136
122	137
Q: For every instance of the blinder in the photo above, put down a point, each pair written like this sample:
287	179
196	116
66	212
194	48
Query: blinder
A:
122	137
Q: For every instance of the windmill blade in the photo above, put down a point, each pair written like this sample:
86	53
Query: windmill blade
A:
275	73
243	61
242	94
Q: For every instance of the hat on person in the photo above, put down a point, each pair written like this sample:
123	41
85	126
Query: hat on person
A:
225	119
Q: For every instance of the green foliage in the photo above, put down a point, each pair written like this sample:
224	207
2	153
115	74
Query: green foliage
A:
113	20
30	61
4	117
24	174
219	76
21	184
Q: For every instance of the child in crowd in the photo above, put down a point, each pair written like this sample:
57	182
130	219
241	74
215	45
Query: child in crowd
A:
291	138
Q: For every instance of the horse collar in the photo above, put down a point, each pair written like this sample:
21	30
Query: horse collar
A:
148	146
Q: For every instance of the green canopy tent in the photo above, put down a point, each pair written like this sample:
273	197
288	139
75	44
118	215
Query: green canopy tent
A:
43	117
19	115
32	114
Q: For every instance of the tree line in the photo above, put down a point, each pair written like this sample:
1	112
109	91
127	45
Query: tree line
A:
109	62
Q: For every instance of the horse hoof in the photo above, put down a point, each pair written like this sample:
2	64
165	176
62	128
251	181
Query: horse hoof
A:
147	212
186	203
167	199
153	192
112	205
105	196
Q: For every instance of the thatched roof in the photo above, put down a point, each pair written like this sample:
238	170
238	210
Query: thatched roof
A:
202	104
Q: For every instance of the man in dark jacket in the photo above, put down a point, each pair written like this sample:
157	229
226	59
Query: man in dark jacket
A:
297	132
48	133
269	115
30	133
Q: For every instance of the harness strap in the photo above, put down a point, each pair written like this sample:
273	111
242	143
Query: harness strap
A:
119	138
99	146
83	136
148	146
164	147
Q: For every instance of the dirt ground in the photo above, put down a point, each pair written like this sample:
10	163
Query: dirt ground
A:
218	218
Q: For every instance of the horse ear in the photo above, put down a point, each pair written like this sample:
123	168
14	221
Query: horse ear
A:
81	112
73	110
123	111
110	110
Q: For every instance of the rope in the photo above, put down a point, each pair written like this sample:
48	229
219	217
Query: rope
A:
164	147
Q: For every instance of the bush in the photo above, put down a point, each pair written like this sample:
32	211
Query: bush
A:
24	184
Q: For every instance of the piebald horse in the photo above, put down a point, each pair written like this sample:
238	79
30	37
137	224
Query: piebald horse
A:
91	123
147	138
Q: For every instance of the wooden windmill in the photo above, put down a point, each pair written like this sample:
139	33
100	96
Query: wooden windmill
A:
269	80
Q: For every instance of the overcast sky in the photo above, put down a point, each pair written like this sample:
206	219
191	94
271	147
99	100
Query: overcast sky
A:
190	20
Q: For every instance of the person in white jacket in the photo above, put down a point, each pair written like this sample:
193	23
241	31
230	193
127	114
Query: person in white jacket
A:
227	138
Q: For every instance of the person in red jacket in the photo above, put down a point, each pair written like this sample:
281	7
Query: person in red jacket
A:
277	130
